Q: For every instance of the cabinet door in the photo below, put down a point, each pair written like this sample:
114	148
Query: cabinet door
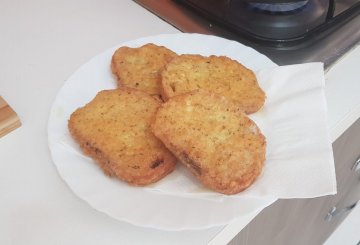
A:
307	221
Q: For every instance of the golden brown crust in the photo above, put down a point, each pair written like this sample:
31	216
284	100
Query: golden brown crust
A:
140	68
114	129
217	74
213	138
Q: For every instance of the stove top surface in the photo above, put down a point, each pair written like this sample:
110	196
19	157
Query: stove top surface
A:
277	25
231	18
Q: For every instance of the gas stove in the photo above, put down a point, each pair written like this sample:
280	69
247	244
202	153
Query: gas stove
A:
287	31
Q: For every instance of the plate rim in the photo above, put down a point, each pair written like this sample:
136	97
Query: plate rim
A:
270	63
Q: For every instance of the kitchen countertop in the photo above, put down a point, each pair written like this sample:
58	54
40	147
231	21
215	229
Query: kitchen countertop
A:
42	43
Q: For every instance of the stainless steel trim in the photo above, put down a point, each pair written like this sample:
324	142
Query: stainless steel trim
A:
356	166
334	212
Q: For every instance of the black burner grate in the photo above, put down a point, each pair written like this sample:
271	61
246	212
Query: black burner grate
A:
278	8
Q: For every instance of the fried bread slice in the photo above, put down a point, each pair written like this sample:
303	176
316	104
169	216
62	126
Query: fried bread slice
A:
218	74
114	130
140	67
213	138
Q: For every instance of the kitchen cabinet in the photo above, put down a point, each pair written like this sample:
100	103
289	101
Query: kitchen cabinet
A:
311	221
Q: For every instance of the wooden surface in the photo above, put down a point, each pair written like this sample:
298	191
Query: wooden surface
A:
8	118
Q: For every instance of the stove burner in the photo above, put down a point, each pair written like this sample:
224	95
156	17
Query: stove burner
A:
276	24
278	21
274	8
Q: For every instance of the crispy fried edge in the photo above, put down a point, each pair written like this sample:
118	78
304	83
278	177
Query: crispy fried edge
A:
193	166
108	167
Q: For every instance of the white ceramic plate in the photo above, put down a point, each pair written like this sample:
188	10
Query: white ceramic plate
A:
136	205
